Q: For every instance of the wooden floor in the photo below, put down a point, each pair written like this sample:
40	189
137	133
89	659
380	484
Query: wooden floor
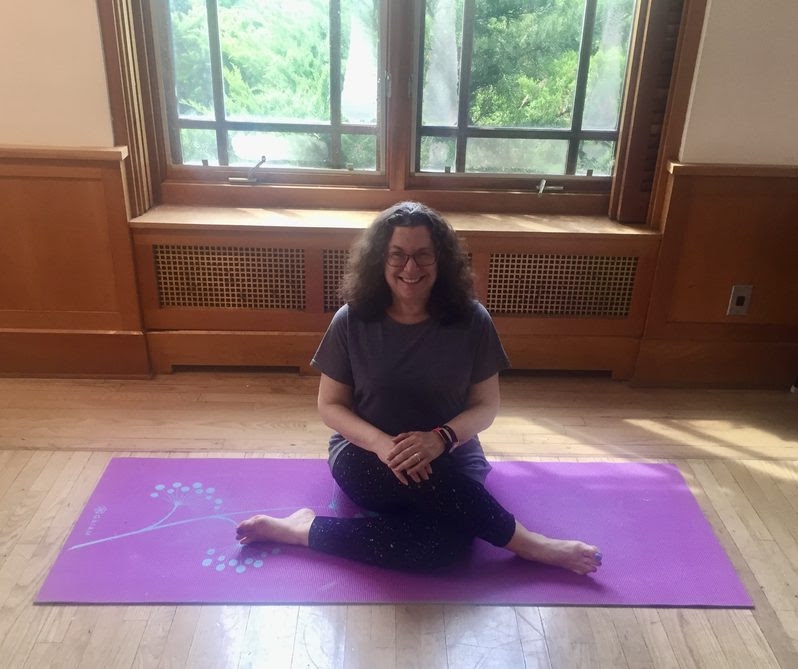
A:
738	451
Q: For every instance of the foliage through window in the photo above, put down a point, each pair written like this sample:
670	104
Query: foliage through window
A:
292	80
523	87
502	87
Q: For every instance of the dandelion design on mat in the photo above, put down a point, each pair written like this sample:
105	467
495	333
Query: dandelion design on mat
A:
191	503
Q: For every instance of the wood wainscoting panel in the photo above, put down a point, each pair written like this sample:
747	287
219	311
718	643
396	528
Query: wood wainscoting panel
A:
67	263
724	226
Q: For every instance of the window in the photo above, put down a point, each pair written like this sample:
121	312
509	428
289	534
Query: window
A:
478	104
506	87
291	83
522	87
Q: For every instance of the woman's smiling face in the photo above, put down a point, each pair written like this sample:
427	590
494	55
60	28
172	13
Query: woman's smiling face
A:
411	283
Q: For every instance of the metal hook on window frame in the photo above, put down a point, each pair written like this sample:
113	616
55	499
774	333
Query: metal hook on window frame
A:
250	178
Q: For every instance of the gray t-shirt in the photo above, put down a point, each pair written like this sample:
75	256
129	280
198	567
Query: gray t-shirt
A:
412	377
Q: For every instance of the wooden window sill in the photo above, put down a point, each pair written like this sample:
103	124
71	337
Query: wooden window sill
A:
186	218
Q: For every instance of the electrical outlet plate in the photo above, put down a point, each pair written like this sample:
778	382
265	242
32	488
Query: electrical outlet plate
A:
739	300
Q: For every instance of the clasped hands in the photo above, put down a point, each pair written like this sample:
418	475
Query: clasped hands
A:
412	454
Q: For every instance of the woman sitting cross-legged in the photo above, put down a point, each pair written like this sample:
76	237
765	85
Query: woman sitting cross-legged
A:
409	377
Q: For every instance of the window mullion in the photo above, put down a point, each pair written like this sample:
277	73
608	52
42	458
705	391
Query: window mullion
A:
465	84
581	85
336	151
217	79
164	19
420	85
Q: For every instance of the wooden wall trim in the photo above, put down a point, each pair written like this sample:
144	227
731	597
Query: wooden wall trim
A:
187	218
129	66
616	355
73	353
656	47
227	348
114	154
680	169
684	67
716	364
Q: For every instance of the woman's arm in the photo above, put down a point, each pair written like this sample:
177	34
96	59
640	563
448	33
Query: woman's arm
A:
335	408
482	406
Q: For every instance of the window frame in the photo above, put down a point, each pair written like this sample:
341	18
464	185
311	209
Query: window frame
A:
134	88
463	131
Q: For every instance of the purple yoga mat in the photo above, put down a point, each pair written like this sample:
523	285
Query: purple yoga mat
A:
163	531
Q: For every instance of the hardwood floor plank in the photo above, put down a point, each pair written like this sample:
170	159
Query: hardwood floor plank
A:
370	637
179	637
269	637
158	622
321	637
692	638
652	633
421	637
569	638
609	650
533	639
627	634
218	637
483	636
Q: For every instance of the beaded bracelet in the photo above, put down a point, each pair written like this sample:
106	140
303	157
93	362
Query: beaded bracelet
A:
448	437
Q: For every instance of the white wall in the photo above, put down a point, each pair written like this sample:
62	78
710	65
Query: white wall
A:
52	75
744	104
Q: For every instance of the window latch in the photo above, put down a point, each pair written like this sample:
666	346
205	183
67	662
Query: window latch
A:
250	178
548	189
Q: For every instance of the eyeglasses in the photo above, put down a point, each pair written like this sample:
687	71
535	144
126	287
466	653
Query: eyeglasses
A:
421	258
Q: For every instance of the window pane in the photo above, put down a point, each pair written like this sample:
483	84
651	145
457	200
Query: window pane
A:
596	156
360	151
192	65
198	146
276	58
608	64
525	62
359	61
437	153
282	149
442	43
526	156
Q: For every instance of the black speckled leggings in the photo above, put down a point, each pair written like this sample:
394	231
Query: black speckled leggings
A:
420	526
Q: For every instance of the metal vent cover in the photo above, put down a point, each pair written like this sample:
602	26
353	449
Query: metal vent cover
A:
230	277
561	285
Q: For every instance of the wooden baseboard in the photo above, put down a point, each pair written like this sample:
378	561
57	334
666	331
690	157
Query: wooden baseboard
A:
578	353
295	349
236	349
716	364
73	353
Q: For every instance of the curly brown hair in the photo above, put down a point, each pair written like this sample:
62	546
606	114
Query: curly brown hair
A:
364	287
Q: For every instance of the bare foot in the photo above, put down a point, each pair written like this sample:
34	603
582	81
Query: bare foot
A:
575	556
291	530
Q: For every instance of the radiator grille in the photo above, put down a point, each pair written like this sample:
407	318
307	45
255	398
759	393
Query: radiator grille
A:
230	277
561	285
334	266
